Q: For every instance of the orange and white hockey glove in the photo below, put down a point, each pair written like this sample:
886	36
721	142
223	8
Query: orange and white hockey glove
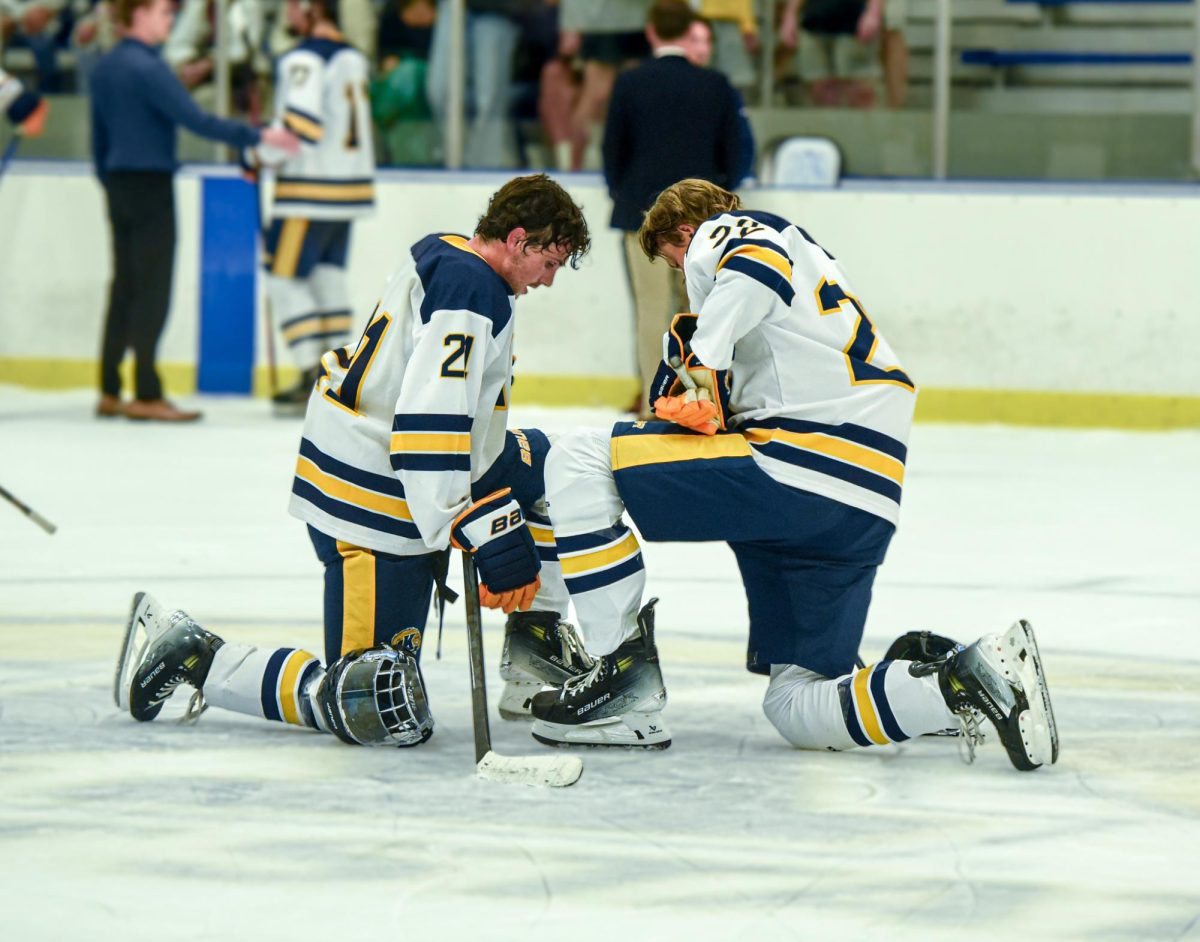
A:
699	415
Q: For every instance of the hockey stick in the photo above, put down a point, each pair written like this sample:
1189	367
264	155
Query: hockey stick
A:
550	771
8	153
28	512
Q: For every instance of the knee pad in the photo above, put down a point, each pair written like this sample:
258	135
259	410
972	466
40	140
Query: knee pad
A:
375	697
804	707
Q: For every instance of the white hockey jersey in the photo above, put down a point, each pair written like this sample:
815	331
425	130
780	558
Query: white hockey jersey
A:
321	95
815	388
400	424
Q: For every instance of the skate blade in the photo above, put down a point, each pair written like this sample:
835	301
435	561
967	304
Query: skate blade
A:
516	698
137	639
538	771
1039	732
633	730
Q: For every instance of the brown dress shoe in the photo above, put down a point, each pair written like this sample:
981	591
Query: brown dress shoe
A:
109	407
157	410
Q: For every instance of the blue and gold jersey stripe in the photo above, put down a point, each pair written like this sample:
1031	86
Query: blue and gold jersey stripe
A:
360	497
287	672
760	250
865	708
599	559
316	325
358	192
851	453
632	451
305	126
765	266
543	539
431	442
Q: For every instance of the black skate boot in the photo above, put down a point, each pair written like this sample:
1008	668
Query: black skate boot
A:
616	703
539	651
1000	677
176	651
291	403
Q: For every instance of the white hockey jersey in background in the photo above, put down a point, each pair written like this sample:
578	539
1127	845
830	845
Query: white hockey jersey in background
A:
321	95
815	388
400	424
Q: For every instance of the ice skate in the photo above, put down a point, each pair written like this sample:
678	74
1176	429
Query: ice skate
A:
539	651
161	651
616	703
292	403
1000	677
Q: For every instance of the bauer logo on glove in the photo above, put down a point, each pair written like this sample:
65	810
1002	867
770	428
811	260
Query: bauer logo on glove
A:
493	530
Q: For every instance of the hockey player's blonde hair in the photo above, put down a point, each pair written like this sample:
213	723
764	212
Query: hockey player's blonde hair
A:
689	201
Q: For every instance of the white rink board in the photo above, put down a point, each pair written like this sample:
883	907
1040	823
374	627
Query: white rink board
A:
991	287
239	829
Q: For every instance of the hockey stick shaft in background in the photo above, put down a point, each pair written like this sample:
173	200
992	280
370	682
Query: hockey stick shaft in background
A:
9	151
28	512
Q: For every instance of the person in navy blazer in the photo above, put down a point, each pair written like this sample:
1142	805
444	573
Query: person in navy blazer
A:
667	120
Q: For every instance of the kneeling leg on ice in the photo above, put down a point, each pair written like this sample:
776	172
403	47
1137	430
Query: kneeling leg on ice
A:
374	696
998	678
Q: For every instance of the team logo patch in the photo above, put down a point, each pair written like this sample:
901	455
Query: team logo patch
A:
298	74
408	640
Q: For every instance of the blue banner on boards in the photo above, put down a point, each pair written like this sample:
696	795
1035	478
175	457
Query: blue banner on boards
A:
228	262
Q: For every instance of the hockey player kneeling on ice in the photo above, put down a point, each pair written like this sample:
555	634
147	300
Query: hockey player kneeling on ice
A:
784	420
404	453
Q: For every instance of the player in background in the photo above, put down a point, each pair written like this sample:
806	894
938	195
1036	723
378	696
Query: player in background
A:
784	432
404	453
24	109
310	200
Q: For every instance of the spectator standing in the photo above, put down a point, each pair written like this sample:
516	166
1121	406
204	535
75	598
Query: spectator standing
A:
668	120
398	102
190	51
607	35
559	87
895	53
492	34
698	47
137	103
35	24
734	40
839	47
93	34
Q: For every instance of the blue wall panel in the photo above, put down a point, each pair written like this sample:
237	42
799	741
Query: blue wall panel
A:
228	258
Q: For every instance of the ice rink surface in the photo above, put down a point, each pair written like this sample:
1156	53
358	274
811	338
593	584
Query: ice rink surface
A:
237	829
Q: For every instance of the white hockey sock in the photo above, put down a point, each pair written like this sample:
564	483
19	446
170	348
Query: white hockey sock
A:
600	557
879	704
270	683
605	575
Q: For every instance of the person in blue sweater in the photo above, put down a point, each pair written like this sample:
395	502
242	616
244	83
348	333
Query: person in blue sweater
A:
137	104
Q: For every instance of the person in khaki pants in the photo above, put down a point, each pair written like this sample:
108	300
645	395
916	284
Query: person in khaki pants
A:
667	120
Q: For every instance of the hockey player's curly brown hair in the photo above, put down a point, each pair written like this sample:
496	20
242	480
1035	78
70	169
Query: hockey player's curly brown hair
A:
689	201
543	209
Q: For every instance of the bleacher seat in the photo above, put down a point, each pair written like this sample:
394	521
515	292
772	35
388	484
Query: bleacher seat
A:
802	161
